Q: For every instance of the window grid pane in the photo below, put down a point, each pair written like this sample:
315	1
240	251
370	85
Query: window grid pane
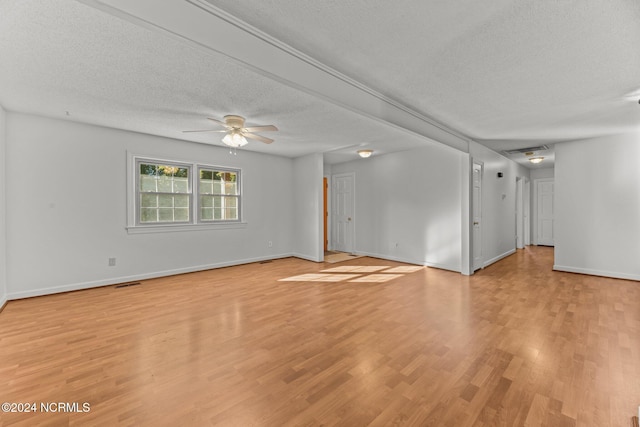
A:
156	178
164	193
219	195
218	208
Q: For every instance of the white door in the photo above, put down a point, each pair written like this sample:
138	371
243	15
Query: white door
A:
519	214
527	207
477	216
342	212
545	212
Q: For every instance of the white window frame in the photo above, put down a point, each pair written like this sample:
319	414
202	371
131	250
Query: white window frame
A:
237	196
135	227
139	193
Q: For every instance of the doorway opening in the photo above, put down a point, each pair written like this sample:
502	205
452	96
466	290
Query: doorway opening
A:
325	213
343	212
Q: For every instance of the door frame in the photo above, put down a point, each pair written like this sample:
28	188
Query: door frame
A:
352	229
472	242
325	212
526	198
520	212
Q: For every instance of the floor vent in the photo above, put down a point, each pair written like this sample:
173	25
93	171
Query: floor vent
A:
126	285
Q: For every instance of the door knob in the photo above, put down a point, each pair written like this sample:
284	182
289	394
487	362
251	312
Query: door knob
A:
349	219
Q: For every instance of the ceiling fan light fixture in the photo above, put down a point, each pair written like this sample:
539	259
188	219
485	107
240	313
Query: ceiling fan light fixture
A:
236	134
536	160
234	139
365	153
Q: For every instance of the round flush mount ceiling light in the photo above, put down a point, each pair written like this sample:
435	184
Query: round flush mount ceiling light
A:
536	160
365	153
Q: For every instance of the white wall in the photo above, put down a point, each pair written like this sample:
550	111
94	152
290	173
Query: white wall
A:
541	173
412	199
498	202
307	194
63	227
597	201
3	229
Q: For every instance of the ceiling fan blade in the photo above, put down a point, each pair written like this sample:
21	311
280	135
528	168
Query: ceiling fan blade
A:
261	128
206	130
257	137
219	122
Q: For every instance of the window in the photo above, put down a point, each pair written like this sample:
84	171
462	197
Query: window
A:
164	193
219	195
168	194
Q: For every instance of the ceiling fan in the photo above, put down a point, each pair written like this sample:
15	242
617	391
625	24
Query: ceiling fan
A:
236	133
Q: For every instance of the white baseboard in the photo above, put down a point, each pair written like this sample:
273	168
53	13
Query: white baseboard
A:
3	302
136	277
410	261
306	257
444	267
602	273
498	258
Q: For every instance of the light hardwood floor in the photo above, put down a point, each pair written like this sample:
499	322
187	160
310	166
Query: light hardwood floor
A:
516	344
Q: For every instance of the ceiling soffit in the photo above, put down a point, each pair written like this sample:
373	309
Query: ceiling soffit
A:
67	61
506	70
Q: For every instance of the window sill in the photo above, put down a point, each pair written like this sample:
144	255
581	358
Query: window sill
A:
146	229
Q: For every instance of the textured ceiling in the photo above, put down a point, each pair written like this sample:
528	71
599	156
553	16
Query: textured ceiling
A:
496	71
506	73
63	56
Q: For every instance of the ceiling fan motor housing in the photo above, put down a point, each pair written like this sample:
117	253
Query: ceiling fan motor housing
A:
235	122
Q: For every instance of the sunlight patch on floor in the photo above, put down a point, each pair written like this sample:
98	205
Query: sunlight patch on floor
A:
319	277
355	269
356	274
376	278
404	269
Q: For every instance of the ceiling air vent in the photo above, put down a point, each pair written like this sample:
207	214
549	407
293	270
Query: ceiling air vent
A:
526	150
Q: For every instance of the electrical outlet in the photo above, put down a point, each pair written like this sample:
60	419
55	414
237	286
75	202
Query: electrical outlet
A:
112	262
270	244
